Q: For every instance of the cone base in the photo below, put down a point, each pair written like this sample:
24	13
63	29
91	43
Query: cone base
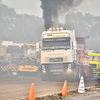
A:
81	91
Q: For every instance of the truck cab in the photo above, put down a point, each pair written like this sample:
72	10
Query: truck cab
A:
94	61
28	62
58	53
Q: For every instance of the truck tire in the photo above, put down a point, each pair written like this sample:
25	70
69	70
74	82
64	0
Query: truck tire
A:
78	75
73	76
90	72
83	72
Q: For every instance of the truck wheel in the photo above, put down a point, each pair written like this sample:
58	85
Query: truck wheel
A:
78	76
73	76
79	73
83	72
90	72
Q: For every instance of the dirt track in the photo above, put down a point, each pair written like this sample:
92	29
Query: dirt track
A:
15	88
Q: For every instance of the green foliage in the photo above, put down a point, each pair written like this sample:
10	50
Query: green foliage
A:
22	28
26	28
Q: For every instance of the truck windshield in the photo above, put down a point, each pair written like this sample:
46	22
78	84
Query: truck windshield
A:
94	58
56	45
14	52
80	46
30	51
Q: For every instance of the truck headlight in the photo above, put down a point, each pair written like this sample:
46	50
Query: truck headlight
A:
44	71
69	68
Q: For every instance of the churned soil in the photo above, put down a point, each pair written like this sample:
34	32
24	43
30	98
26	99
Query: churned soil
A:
18	88
91	93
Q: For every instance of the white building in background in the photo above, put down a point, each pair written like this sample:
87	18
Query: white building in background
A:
89	51
18	44
6	43
11	43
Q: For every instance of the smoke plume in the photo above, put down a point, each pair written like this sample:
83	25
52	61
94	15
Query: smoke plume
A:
51	9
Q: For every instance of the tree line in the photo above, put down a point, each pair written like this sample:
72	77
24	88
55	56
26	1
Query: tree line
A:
26	28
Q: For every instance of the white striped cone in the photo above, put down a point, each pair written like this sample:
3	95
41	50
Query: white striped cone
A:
81	85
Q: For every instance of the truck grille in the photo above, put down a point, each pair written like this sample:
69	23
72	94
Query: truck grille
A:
56	59
56	66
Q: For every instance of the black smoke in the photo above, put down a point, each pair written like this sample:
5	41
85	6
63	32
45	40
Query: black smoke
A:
51	9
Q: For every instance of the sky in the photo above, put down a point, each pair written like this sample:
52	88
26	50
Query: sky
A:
32	7
90	6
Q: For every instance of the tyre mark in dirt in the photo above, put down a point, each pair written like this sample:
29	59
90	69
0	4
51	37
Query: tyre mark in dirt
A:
21	87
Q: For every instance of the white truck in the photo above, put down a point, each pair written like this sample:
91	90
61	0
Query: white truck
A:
58	54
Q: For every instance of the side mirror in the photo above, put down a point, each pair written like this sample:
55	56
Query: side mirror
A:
38	46
74	45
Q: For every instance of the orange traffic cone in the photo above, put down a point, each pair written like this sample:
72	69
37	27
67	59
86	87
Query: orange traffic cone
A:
64	91
32	93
